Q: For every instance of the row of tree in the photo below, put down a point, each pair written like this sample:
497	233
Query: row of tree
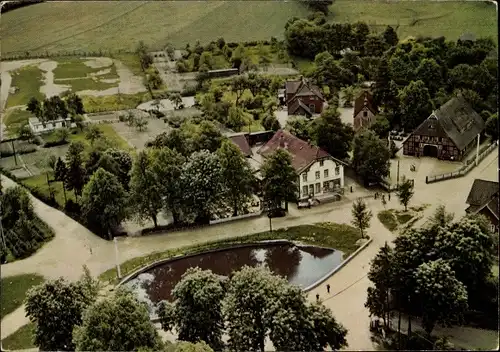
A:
23	231
250	306
436	273
56	107
193	173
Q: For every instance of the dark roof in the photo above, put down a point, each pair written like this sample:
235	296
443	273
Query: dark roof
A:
483	193
302	87
297	103
365	99
455	119
303	153
241	142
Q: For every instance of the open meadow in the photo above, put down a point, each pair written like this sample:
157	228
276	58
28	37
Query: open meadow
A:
120	25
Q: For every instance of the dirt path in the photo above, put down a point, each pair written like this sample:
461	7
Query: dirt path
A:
69	250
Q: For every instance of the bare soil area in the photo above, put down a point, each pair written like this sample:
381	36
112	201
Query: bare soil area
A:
139	138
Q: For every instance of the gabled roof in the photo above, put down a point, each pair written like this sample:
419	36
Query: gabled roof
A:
242	143
365	99
455	119
303	153
297	103
483	194
302	87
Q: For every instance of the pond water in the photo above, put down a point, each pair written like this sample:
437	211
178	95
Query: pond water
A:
302	266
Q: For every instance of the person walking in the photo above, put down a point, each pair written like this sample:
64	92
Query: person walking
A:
317	297
389	195
328	288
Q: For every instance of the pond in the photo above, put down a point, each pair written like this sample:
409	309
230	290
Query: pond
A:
301	265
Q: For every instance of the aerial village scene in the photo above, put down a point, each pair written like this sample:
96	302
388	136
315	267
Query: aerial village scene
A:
198	176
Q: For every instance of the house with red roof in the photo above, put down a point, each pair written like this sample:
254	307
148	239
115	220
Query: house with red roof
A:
318	172
303	98
483	199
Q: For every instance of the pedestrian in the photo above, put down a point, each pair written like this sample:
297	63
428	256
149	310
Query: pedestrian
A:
328	288
383	198
351	189
389	195
317	297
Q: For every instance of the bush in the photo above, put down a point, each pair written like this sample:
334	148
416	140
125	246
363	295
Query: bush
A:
38	140
188	91
388	219
55	143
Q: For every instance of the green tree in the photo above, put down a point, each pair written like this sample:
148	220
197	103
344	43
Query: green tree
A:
93	133
62	134
431	74
299	127
390	36
117	323
236	118
326	70
104	202
491	127
381	275
54	108
35	107
197	311
405	192
442	296
370	157
332	135
145	195
381	126
270	123
237	175
119	163
74	104
203	186
25	133
361	216
348	94
75	176
279	180
416	104
183	346
60	170
374	46
167	169
249	294
176	99
56	307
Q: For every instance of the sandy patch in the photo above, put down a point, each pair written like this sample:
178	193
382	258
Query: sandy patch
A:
50	88
111	80
97	62
101	72
166	104
129	84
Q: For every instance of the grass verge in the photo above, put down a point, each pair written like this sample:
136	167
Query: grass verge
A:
13	291
388	219
28	81
15	119
21	339
40	183
79	84
403	218
339	236
114	102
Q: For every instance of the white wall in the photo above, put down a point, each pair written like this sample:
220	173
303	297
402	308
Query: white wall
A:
49	126
328	164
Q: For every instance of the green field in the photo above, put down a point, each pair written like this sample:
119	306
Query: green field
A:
13	291
28	81
115	25
14	119
21	339
426	18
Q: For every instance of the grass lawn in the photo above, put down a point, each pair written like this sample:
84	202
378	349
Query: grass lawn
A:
40	182
388	219
109	132
425	18
114	102
28	80
21	339
13	291
87	84
339	236
131	61
71	67
403	218
14	119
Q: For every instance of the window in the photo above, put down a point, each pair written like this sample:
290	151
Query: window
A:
326	173
317	175
365	113
318	187
493	228
312	108
337	170
305	191
304	177
311	190
321	163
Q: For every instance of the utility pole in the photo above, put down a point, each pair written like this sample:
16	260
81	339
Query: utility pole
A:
116	259
477	149
14	150
397	180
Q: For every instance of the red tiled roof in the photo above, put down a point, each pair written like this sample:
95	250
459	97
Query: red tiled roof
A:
241	142
359	103
302	152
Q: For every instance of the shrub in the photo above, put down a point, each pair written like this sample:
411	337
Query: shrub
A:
72	207
55	143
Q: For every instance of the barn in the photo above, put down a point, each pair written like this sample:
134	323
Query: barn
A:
448	133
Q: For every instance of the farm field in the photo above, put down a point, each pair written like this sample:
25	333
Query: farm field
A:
120	25
28	81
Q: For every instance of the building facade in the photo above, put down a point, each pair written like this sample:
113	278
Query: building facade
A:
303	98
483	199
38	126
448	133
365	111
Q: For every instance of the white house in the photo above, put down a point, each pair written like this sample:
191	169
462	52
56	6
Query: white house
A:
38	126
319	174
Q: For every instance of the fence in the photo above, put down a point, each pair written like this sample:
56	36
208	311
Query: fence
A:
464	170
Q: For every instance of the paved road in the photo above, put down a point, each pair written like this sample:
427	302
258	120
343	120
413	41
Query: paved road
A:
70	248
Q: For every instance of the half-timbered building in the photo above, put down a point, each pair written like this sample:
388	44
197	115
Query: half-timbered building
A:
448	133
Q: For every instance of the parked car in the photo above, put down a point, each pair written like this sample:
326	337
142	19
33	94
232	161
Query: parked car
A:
306	203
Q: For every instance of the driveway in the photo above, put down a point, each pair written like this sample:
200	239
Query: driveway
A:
70	249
